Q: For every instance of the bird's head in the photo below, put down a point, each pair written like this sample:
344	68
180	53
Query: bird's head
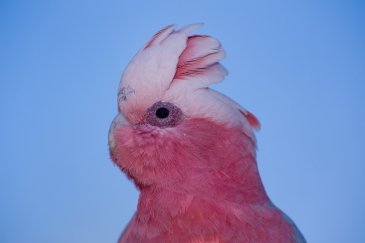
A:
171	126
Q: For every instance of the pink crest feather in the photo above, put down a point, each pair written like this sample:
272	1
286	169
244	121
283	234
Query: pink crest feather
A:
160	36
202	52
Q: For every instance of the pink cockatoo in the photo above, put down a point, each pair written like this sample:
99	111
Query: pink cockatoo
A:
190	150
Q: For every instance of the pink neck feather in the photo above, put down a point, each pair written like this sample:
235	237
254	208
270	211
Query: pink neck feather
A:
202	159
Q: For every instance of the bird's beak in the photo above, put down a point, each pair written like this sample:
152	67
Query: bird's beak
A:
117	122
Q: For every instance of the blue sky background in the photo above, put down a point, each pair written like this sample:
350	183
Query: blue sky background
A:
299	66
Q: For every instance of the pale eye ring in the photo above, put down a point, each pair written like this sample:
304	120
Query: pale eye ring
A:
163	114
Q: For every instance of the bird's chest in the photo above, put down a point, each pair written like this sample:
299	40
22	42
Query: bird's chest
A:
191	221
198	220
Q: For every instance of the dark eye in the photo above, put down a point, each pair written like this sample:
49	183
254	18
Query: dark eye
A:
163	114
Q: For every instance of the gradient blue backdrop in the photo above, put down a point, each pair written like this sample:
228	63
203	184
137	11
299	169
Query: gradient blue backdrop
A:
298	65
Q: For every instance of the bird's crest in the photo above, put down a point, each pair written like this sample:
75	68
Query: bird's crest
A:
172	65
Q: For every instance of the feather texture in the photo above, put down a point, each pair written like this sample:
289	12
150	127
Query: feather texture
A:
190	150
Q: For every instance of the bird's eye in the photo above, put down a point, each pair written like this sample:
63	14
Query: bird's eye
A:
163	114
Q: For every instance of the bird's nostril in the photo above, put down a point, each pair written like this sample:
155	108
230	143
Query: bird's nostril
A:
162	112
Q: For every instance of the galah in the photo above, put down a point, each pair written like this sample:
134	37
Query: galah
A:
190	150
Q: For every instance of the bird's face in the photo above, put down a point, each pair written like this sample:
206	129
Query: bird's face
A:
166	146
170	125
148	149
